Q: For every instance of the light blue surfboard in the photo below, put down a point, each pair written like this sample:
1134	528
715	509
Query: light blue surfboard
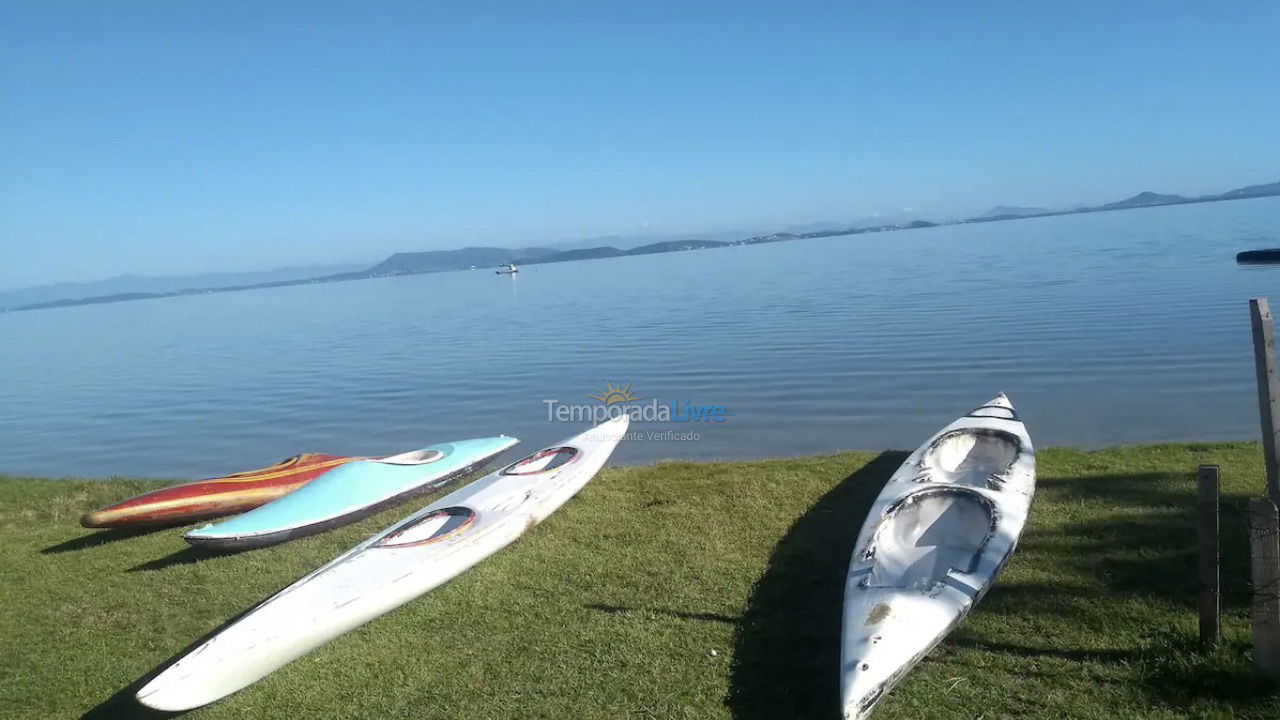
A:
350	492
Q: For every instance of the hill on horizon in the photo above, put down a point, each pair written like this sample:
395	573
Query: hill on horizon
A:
426	261
1145	199
130	284
1264	190
1013	211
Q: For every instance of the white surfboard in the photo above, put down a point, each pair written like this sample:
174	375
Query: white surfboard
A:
417	554
932	545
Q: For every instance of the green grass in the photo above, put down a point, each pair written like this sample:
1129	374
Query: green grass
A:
680	590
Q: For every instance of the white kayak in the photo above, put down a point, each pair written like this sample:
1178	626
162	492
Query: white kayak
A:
417	554
935	539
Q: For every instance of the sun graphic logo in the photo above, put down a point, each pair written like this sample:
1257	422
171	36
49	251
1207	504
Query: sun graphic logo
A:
612	395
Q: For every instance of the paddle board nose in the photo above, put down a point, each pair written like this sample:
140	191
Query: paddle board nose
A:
612	430
618	424
483	447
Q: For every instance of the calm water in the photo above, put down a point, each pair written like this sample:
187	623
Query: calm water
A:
1105	328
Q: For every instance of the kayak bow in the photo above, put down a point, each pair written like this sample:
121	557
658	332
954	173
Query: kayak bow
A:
214	497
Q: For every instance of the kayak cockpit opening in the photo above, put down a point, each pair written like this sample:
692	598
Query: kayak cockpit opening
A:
430	528
543	461
413	457
971	456
929	534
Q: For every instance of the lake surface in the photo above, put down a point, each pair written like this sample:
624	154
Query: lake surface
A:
1105	328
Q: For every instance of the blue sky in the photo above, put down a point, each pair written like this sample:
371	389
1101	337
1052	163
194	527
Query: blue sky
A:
175	138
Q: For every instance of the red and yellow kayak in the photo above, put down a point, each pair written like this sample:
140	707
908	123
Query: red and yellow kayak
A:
203	499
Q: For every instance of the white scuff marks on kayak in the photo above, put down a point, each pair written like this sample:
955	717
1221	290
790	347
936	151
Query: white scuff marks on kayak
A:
935	539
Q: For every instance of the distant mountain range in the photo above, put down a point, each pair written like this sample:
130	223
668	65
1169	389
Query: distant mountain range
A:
127	287
413	263
1012	211
441	260
1141	200
628	242
879	220
147	286
1250	191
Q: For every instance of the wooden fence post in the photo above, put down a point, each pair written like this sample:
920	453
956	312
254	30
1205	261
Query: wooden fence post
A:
1207	510
1264	528
1264	360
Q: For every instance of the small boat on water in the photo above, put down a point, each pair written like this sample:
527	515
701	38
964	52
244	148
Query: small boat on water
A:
1267	256
421	552
936	537
349	493
214	497
507	269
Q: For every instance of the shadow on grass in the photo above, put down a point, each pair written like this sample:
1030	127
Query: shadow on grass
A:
1090	655
1179	676
185	556
124	703
102	537
1138	489
1135	544
705	617
787	646
1141	539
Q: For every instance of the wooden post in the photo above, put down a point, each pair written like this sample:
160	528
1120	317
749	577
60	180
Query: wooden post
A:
1264	527
1207	510
1264	360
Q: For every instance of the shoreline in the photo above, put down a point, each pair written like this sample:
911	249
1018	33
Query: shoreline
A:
160	481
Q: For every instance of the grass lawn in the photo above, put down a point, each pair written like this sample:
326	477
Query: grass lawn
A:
681	590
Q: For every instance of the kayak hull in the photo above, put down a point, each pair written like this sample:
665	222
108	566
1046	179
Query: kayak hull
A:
214	497
350	493
1269	256
931	547
417	554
